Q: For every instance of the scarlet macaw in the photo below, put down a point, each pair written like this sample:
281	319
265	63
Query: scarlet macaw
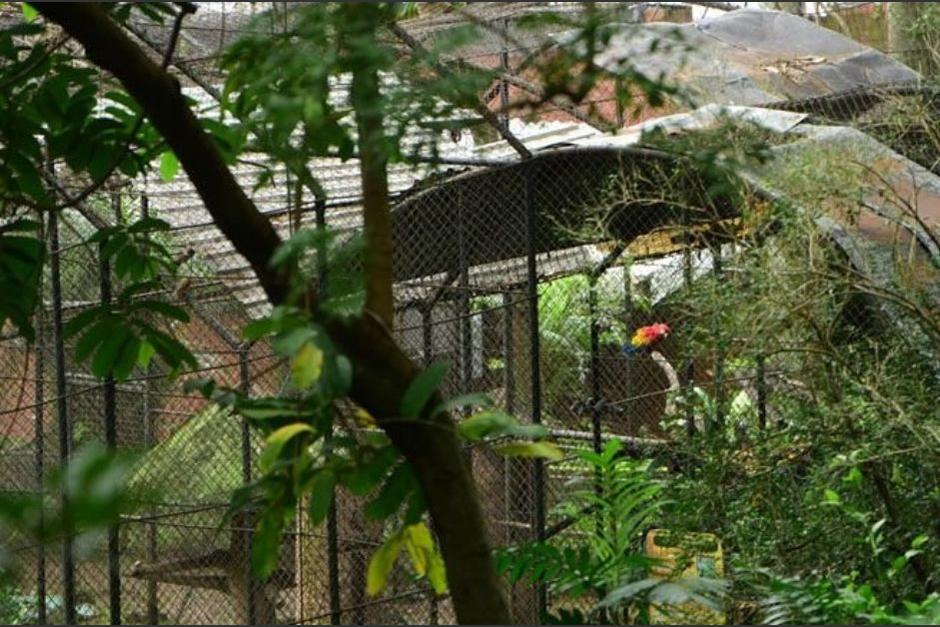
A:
645	338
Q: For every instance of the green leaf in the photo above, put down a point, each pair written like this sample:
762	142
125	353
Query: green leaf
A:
321	495
92	338
832	497
421	389
164	309
399	485
464	400
381	564
266	542
126	359
259	328
149	225
145	354
544	450
106	357
169	166
480	425
289	343
277	441
366	475
306	366
80	321
29	13
498	424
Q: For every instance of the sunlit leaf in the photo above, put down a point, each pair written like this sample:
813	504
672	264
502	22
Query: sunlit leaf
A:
169	166
381	564
29	12
306	366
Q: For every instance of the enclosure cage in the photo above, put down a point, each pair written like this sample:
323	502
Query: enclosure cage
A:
528	277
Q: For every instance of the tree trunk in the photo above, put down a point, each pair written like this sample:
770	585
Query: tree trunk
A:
382	371
366	100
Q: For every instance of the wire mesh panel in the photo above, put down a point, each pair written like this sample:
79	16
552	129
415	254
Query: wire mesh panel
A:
528	279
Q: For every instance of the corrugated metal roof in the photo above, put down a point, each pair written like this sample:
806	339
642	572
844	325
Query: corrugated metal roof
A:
752	57
734	57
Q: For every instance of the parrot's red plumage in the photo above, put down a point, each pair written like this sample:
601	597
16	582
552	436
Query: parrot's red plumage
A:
646	337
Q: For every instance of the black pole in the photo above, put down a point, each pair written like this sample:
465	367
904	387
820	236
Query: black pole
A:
509	368
689	365
719	349
65	435
595	365
628	319
39	414
761	393
109	394
332	526
535	369
427	334
244	376
466	330
153	602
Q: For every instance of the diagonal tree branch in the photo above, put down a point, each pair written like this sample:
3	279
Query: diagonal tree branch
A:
382	371
159	95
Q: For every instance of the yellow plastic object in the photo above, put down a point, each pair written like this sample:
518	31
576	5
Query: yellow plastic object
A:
680	555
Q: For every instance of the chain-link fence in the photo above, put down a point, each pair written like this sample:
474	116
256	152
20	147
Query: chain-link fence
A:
528	278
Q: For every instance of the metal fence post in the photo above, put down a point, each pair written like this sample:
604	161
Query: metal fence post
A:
509	364
628	319
535	366
109	393
719	349
503	85
244	377
65	436
463	297
332	525
595	364
761	392
153	602
39	414
689	365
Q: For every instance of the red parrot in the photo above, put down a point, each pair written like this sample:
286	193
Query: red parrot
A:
645	338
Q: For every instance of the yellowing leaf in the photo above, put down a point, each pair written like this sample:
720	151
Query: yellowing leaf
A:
437	574
364	419
420	547
306	366
381	564
544	450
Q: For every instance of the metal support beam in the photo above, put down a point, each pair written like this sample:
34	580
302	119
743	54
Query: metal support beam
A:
152	594
62	410
535	367
39	415
596	400
109	398
244	384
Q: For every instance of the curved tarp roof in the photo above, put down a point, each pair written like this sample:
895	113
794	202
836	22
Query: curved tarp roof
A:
753	57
